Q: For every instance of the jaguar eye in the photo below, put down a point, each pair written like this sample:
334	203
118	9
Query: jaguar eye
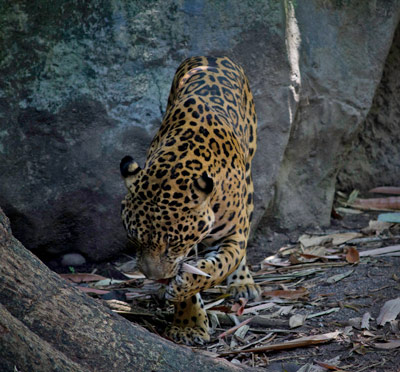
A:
132	233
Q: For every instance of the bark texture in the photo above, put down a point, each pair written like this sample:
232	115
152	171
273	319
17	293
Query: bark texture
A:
47	325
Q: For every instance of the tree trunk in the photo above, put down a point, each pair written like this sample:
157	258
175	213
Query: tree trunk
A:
47	325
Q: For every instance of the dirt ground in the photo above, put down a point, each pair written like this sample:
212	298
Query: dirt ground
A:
364	288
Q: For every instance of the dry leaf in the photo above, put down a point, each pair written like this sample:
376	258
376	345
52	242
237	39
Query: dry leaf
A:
386	190
355	322
365	321
389	217
390	344
390	203
394	326
93	290
352	255
336	239
233	329
329	311
348	210
300	342
389	311
253	309
341	238
330	366
297	320
82	277
376	227
289	294
385	251
368	334
238	307
241	332
310	241
134	275
338	277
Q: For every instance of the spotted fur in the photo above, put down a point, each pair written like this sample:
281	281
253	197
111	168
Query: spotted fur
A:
196	187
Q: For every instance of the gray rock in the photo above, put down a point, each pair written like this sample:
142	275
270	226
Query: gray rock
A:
83	85
73	259
375	156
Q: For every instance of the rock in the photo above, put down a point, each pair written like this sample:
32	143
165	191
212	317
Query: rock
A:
72	259
340	69
79	92
374	158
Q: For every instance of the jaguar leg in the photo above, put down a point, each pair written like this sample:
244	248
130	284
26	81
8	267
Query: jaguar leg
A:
241	283
190	325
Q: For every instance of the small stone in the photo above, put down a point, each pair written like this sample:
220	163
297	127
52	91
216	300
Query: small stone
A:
73	259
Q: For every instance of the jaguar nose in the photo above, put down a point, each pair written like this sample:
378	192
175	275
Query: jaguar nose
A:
152	268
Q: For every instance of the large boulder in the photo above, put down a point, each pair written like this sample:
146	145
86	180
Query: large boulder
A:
375	156
83	84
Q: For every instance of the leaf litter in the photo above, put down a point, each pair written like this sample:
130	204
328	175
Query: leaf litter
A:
299	308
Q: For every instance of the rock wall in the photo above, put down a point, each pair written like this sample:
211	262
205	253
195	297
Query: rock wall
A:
84	83
375	156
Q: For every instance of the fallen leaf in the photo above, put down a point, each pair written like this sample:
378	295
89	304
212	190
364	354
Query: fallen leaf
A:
390	203
384	251
365	321
386	190
389	218
82	277
355	322
214	304
233	329
310	241
329	366
253	309
332	310
274	261
376	227
300	342
134	275
92	290
297	320
285	310
368	334
348	210
238	307
341	238
394	326
353	196
390	344
338	277
241	332
389	311
352	255
108	281
289	294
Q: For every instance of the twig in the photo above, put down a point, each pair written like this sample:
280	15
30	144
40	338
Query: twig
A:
233	329
269	335
257	320
373	365
303	341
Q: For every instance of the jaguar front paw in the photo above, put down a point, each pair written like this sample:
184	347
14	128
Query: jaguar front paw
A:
249	291
188	336
190	325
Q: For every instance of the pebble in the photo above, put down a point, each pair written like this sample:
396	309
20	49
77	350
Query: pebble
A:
73	259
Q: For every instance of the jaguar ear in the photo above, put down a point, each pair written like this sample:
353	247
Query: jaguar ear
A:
204	184
129	170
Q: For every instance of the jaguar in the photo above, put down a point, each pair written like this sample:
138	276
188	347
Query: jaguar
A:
195	192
